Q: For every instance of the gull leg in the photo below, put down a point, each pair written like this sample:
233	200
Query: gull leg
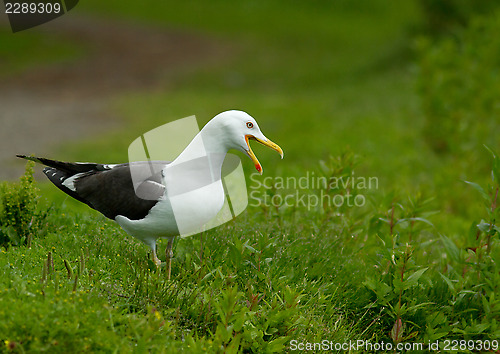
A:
170	255
156	260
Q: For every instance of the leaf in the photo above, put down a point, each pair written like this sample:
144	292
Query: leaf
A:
233	345
414	308
324	168
380	288
478	328
413	279
403	223
486	305
276	345
484	227
397	331
397	283
422	220
449	283
370	284
208	275
495	170
387	221
479	189
253	250
452	249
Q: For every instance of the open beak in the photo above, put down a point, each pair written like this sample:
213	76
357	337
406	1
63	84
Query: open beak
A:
267	143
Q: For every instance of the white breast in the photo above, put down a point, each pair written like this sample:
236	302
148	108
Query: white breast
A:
196	208
181	214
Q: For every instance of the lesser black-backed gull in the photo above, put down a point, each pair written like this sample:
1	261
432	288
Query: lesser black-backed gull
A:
183	194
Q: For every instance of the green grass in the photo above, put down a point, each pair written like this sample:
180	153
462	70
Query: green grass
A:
319	78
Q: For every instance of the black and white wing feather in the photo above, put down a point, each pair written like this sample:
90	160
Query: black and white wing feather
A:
108	189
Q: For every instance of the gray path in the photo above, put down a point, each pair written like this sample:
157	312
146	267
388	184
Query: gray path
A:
44	107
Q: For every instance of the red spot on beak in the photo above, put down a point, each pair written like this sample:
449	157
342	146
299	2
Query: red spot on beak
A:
258	168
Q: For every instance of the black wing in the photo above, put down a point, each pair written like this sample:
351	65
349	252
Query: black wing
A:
109	189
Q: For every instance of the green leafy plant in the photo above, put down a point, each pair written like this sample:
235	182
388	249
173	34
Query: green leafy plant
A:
487	231
470	274
341	186
399	273
19	218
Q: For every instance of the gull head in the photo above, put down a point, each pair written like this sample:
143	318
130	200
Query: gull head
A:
236	129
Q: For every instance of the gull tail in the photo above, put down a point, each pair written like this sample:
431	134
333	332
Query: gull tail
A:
67	167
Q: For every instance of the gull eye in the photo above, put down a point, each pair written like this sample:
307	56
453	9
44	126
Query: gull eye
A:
249	125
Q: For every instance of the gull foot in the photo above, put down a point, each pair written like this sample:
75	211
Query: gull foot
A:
157	261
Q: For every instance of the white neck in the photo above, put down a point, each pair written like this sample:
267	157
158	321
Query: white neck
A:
201	161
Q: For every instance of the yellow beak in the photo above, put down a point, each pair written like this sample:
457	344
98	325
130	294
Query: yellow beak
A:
267	143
